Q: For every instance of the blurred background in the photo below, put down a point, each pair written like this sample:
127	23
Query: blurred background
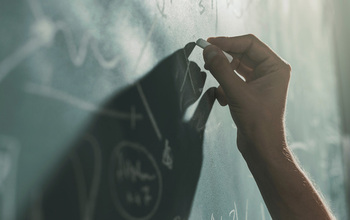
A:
60	61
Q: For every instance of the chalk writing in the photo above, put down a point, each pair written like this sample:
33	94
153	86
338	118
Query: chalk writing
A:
147	196
43	32
78	54
52	93
167	158
127	171
10	62
161	8
87	197
148	38
228	3
202	8
135	181
238	7
233	214
139	199
148	110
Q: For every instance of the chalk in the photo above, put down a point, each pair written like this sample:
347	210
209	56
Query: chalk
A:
203	44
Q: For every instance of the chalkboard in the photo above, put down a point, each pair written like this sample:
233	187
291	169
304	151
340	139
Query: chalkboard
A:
106	110
138	159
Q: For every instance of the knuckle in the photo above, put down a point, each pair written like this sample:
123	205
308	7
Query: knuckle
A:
286	69
252	36
252	39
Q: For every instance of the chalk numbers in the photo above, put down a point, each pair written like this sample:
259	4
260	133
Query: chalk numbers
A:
167	158
136	181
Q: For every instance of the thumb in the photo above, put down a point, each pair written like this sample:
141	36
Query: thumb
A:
220	68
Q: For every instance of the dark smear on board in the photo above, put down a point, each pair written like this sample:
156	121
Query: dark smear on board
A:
143	163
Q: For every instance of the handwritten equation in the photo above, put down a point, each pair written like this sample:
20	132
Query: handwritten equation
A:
236	7
136	181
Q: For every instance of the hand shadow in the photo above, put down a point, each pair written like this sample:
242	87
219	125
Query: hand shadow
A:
138	159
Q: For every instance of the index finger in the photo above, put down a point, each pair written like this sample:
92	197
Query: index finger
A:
249	45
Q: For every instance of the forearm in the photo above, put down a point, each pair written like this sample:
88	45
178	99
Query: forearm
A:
285	188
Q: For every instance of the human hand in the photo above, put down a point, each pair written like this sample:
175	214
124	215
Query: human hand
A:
257	105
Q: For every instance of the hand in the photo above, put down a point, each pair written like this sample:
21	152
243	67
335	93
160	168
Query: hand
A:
257	104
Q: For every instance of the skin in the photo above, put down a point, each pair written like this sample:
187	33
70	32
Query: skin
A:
257	105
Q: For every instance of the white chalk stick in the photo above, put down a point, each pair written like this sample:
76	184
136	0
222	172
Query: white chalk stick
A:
203	44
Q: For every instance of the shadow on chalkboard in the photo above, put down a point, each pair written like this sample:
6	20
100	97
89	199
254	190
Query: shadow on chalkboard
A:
140	159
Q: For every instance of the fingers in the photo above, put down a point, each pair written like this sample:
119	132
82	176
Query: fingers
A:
245	71
244	59
220	96
218	65
248	45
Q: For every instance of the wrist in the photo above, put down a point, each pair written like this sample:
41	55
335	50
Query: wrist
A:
264	141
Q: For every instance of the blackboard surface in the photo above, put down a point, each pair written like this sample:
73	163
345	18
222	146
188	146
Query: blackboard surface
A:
96	114
145	162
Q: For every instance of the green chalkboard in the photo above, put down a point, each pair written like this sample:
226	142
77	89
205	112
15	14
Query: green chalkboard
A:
106	111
